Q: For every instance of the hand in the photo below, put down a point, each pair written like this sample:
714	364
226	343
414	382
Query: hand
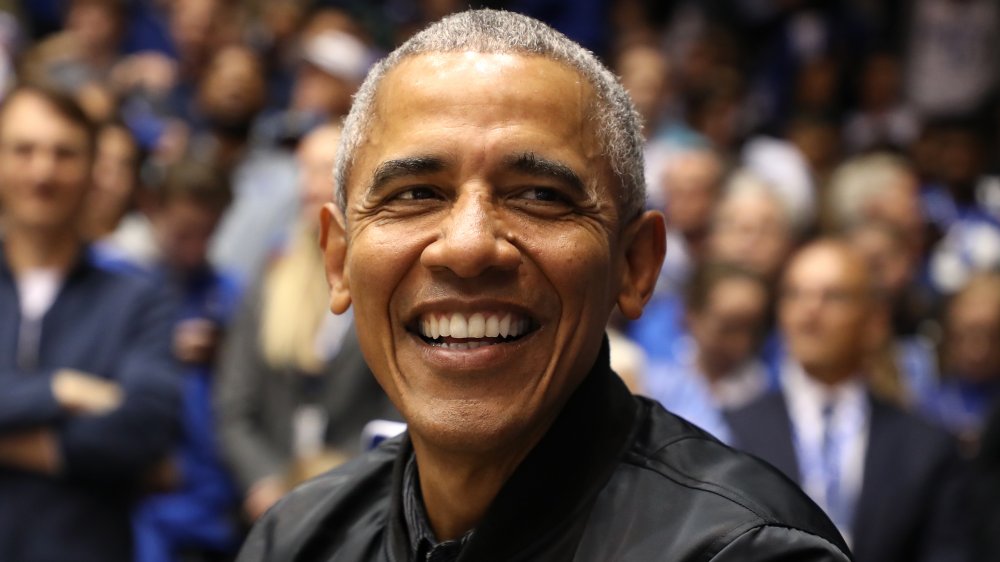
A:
195	341
83	393
153	72
262	495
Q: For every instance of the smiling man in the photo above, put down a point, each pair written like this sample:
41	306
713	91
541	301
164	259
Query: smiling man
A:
489	218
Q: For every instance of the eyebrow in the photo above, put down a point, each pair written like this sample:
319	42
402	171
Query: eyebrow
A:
535	165
402	167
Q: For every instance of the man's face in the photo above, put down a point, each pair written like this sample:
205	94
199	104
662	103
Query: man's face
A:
825	311
484	249
183	230
731	324
751	231
45	165
691	183
972	329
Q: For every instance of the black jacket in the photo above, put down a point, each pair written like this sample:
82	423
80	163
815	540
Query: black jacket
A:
615	478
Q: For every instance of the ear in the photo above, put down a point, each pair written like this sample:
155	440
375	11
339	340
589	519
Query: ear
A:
333	240
645	243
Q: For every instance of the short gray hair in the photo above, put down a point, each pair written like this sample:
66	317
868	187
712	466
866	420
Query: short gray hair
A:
499	32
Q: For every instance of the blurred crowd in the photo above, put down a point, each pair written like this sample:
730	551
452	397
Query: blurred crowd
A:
872	126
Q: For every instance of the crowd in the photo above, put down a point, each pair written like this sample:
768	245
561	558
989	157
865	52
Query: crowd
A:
830	301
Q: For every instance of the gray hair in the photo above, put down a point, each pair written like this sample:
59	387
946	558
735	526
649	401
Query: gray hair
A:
500	32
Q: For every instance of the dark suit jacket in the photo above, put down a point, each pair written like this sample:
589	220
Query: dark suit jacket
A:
911	506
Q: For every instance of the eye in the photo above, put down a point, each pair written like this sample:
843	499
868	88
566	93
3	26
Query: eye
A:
417	193
543	194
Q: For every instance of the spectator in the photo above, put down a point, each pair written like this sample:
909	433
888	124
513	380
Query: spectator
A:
195	516
970	359
115	182
89	402
752	227
294	391
844	447
726	310
263	178
691	183
903	367
880	187
882	120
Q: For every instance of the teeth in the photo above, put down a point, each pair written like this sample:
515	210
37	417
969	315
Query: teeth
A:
477	326
492	327
459	328
505	325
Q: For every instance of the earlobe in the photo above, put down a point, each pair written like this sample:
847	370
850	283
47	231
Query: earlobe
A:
333	240
645	244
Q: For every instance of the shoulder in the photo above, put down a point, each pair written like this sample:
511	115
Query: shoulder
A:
348	504
696	491
912	435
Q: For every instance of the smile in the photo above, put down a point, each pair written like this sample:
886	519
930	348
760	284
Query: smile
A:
471	331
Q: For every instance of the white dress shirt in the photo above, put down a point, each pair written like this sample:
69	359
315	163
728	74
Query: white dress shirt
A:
849	427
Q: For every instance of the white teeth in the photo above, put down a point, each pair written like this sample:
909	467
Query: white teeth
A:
459	328
505	325
477	326
492	326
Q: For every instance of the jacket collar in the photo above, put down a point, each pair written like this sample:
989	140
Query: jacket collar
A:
560	477
84	260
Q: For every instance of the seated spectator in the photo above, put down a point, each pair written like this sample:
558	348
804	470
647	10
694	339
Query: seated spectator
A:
970	359
882	120
726	310
116	179
691	181
750	227
890	481
89	404
903	367
877	187
195	516
294	391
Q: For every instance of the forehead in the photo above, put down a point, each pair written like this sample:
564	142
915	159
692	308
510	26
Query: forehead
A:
483	79
827	266
30	117
455	104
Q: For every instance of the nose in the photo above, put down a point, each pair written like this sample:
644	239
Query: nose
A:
43	165
472	240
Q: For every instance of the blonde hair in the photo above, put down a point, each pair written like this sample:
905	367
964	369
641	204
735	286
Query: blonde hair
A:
294	296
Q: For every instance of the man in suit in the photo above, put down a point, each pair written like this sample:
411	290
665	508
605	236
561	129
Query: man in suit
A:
890	482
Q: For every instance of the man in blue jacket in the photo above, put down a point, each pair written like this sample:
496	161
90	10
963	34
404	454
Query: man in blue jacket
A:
88	403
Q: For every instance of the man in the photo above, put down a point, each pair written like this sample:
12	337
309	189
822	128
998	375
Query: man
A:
489	217
88	402
891	482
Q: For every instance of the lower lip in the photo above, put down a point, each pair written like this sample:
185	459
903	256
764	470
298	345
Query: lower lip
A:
463	361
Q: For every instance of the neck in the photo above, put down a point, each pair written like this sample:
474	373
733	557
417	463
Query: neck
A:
38	248
833	377
711	372
458	488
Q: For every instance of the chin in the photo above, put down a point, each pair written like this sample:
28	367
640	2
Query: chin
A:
470	427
